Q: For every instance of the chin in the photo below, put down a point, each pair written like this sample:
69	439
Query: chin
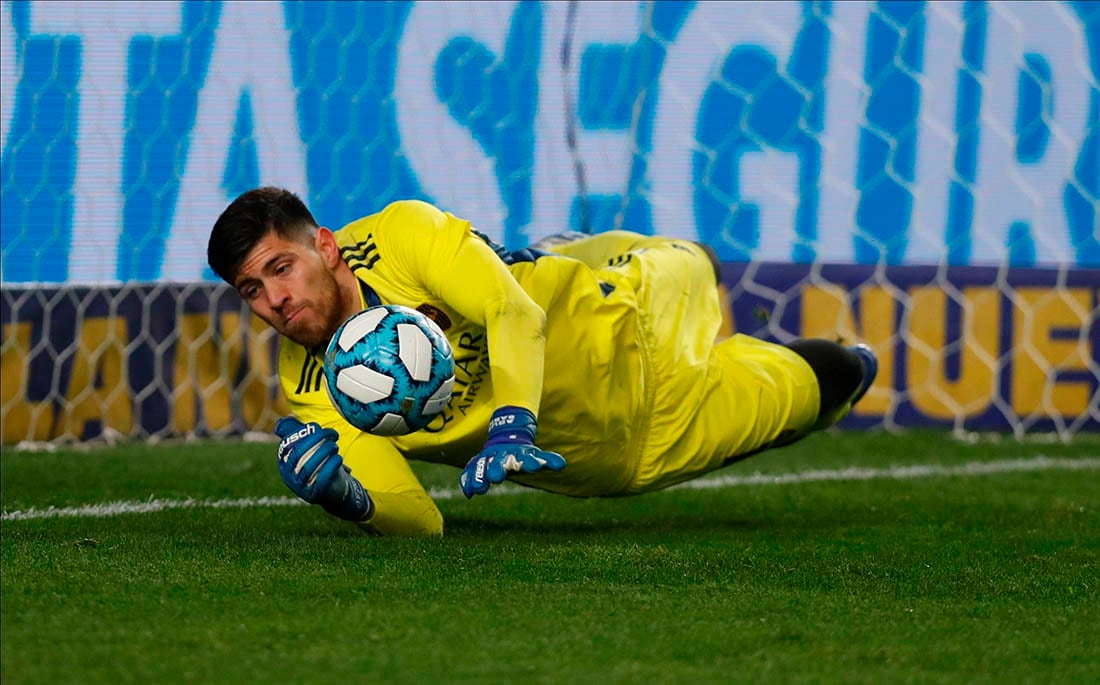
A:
311	342
304	337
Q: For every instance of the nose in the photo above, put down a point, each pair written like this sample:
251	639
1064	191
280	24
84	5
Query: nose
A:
277	295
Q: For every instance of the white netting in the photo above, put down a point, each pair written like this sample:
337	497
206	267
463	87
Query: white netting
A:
922	176
134	361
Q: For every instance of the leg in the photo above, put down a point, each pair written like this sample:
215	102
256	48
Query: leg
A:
751	395
598	250
711	403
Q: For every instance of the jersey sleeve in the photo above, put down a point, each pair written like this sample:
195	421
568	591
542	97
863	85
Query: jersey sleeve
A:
401	505
438	251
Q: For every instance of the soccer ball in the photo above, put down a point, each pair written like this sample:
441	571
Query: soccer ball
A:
389	370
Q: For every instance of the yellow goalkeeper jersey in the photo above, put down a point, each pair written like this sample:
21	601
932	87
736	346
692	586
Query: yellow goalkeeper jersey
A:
609	340
578	369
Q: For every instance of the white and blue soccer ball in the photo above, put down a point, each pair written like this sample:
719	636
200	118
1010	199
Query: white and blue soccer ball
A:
389	370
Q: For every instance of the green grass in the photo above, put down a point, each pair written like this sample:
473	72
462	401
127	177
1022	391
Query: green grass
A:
978	579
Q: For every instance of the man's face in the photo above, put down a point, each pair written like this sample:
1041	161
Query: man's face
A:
289	285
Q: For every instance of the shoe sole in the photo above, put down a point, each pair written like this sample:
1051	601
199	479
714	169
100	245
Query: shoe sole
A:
869	362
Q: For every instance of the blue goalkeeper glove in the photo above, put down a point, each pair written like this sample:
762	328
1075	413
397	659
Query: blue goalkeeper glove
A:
311	466
509	449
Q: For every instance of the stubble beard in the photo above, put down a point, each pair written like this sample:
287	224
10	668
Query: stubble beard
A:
325	306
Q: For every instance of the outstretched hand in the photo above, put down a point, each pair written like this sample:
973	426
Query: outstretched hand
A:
509	449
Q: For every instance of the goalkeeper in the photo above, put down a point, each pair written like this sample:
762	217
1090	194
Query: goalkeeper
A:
589	369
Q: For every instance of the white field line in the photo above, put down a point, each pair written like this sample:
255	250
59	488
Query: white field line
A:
974	468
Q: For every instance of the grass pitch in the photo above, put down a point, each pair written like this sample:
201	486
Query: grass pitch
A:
943	577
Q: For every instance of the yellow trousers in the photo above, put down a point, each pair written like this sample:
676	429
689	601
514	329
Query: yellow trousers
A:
707	403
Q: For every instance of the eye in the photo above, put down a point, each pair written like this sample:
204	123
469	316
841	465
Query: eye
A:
250	292
282	269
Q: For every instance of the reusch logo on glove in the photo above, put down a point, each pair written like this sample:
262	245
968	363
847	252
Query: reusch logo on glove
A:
284	446
501	421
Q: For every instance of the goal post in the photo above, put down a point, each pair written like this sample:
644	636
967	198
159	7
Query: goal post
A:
921	176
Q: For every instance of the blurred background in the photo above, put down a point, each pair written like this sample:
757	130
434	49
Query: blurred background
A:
922	176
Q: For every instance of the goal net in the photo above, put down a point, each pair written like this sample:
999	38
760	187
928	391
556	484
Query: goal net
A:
919	176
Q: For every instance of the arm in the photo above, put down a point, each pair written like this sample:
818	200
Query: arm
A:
462	270
401	505
444	258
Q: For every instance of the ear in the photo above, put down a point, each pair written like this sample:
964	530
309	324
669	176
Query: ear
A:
325	242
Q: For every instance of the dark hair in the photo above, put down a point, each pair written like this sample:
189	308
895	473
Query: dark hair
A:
248	219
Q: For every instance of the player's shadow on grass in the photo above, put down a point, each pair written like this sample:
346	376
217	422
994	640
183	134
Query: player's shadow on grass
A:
470	526
783	523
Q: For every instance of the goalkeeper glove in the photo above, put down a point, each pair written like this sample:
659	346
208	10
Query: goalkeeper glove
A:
509	449
312	467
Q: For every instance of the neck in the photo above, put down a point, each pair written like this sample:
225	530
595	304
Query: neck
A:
350	302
